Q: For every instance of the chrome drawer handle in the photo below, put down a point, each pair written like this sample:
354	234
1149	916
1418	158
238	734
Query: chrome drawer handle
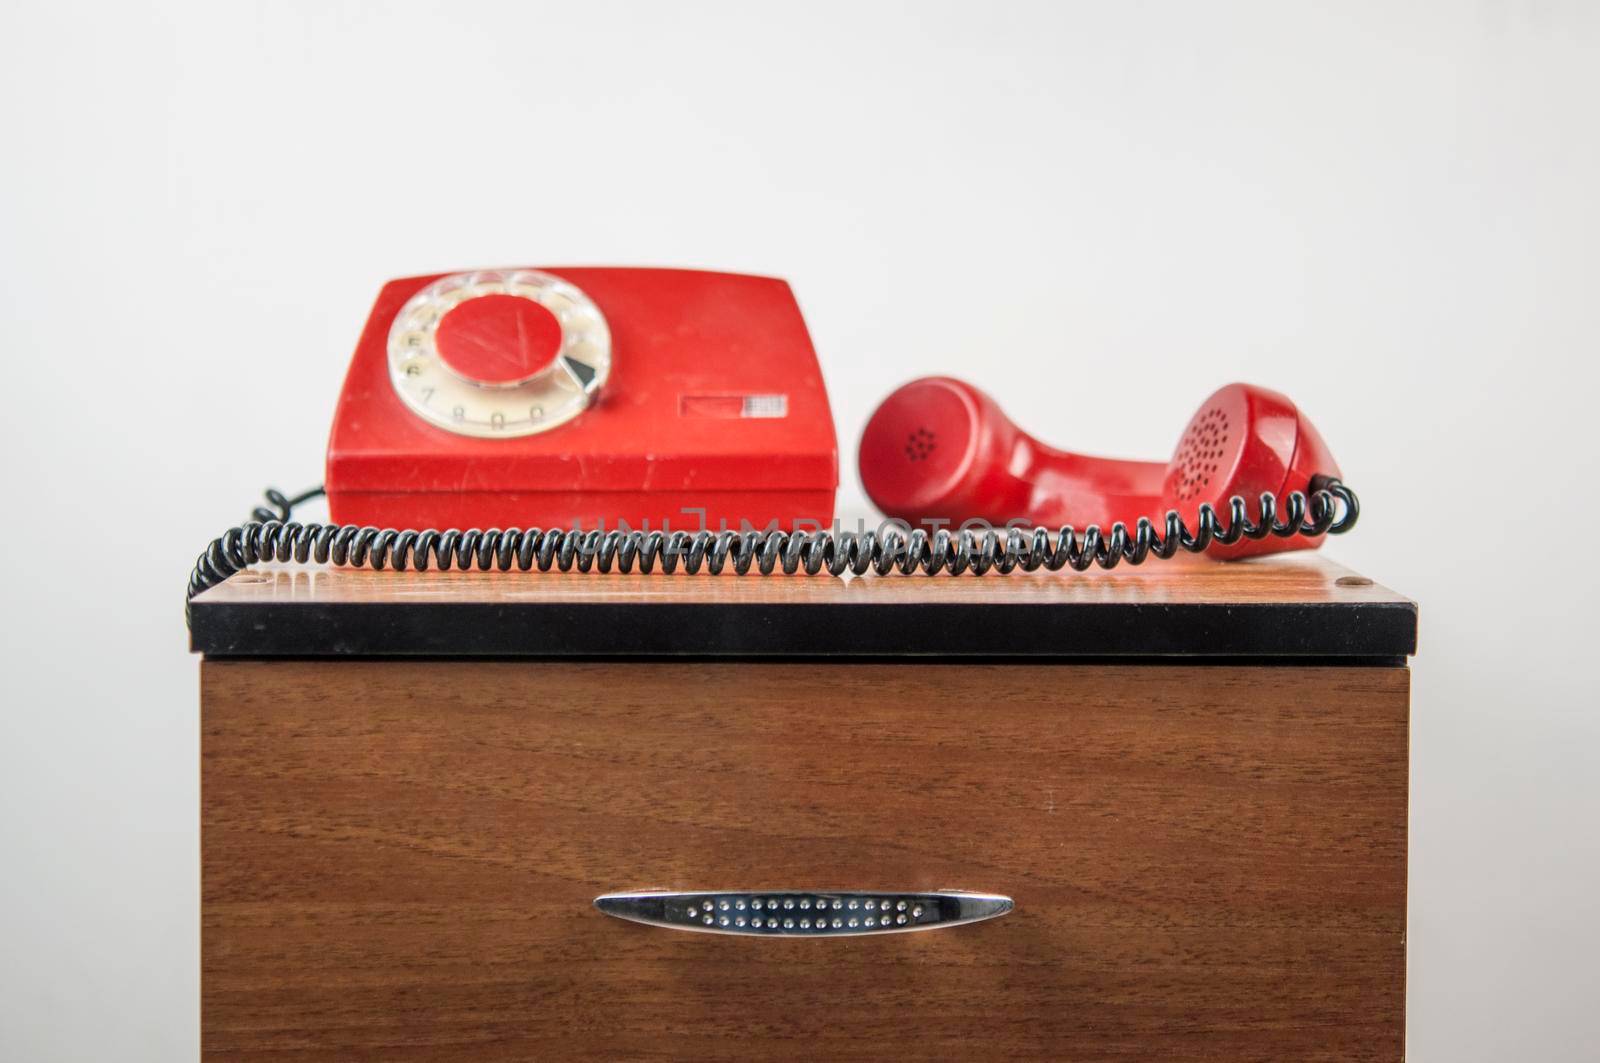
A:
803	913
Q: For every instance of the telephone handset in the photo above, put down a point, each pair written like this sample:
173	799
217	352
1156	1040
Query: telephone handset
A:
940	450
565	417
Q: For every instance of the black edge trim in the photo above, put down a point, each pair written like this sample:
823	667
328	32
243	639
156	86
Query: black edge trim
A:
788	631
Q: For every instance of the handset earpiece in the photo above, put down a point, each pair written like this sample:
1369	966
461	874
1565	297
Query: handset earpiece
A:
1243	442
940	450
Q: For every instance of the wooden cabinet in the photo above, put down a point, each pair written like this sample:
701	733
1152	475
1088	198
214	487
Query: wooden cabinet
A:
1206	848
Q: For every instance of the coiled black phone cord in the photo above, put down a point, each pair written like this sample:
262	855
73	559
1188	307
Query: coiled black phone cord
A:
272	536
281	505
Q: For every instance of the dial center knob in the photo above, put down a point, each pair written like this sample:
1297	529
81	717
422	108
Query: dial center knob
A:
498	340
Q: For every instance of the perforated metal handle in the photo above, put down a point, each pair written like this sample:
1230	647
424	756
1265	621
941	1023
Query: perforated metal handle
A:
803	913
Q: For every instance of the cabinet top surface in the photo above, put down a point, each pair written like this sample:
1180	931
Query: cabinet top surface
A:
1298	605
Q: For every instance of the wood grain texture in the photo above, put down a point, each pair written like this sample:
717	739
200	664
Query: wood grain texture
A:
399	859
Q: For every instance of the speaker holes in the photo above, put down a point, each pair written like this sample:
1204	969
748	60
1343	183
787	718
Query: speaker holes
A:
1200	454
920	444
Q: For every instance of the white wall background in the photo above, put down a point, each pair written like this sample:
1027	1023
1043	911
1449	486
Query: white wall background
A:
1097	211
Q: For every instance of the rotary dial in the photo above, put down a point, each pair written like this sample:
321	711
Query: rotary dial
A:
499	352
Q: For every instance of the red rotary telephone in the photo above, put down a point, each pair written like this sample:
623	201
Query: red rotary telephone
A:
938	449
484	425
591	398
